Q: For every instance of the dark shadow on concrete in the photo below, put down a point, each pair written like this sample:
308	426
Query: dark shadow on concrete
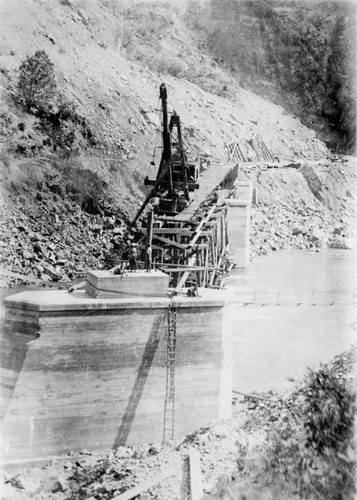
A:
140	381
14	344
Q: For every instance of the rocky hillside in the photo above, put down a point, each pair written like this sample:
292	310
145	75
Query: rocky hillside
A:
72	174
310	207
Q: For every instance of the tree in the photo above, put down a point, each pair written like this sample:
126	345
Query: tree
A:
194	14
341	70
36	83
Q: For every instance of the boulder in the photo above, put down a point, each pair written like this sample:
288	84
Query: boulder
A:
318	235
296	230
341	242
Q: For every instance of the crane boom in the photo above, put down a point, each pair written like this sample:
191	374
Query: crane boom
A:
175	178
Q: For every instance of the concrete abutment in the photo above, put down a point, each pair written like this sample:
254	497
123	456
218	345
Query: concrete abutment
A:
91	373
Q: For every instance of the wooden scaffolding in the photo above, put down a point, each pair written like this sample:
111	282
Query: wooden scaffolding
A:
192	246
193	253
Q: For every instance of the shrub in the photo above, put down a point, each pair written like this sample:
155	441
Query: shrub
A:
312	453
36	85
194	14
57	116
127	37
328	412
83	186
172	67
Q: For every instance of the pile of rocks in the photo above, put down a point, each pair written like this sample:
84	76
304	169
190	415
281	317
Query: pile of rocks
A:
280	226
293	214
53	240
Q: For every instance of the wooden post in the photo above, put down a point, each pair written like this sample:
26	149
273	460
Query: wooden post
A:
194	239
195	474
148	246
134	492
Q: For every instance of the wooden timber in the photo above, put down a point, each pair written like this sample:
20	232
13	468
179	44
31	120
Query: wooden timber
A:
134	492
186	268
192	259
196	487
196	256
209	180
173	230
195	240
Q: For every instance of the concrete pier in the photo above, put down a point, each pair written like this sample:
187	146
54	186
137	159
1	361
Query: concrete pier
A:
90	373
239	223
243	190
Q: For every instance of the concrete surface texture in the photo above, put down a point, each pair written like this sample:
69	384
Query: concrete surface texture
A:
91	373
238	223
132	284
239	231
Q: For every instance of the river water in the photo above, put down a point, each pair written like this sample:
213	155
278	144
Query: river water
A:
291	310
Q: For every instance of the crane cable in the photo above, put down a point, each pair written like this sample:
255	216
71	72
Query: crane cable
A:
152	163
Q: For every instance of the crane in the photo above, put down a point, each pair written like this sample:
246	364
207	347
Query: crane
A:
176	178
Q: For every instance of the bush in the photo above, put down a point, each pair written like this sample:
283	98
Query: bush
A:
312	453
36	85
83	186
57	116
194	15
172	67
328	412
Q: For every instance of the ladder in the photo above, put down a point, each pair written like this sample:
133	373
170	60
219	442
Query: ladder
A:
169	411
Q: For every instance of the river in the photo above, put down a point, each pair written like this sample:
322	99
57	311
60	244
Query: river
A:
291	311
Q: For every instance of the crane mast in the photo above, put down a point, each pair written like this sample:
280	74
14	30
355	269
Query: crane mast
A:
175	178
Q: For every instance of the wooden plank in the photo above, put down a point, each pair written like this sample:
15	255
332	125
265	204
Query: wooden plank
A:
196	487
184	268
176	219
182	246
79	286
199	233
174	230
209	180
169	242
254	396
134	492
181	265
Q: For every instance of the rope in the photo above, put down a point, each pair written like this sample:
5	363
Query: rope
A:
155	145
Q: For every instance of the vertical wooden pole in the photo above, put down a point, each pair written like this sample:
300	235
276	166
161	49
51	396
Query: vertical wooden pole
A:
148	244
196	487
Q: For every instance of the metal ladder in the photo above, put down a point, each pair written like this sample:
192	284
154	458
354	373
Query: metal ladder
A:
169	411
